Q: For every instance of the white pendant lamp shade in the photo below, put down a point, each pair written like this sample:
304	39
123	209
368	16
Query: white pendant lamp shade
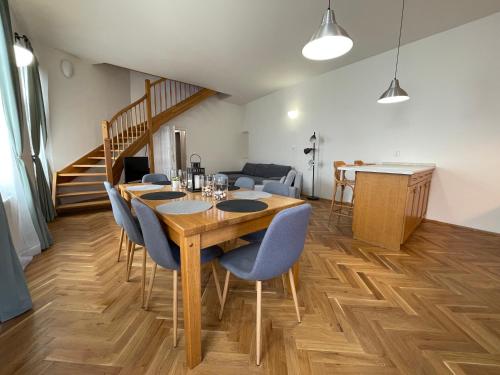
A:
22	51
394	94
329	42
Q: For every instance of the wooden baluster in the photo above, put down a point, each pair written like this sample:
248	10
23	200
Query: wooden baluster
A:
136	122
171	97
166	97
107	151
111	136
161	98
154	91
150	127
121	143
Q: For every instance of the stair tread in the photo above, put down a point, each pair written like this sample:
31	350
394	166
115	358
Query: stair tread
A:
79	183
82	174
89	166
83	204
97	157
78	193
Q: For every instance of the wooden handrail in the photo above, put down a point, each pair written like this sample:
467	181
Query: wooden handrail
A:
127	108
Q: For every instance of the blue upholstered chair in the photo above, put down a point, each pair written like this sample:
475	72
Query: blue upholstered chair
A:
116	215
133	231
166	254
155	177
272	188
276	254
245	183
277	188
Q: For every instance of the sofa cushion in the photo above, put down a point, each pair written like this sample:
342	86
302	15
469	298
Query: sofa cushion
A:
290	177
250	169
272	170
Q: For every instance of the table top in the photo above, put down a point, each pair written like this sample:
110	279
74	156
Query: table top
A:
392	168
213	218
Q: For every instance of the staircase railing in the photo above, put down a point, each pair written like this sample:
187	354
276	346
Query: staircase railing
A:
135	121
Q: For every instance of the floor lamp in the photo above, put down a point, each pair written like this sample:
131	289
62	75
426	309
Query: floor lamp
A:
312	162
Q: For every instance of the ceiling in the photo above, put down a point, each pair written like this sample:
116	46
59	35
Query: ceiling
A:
245	49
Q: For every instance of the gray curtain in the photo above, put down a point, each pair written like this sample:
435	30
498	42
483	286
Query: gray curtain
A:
14	294
11	97
38	127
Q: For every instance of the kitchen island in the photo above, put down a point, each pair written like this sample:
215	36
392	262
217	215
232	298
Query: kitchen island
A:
390	201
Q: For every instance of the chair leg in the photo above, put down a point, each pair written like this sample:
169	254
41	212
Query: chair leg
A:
143	281
150	286
122	232
294	293
258	321
132	253
341	206
283	280
129	249
174	308
224	294
332	207
217	284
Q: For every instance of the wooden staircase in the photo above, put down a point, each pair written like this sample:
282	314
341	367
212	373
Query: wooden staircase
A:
80	184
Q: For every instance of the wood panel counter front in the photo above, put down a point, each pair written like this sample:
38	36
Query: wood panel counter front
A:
390	201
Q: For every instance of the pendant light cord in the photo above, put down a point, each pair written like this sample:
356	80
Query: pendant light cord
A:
399	41
328	4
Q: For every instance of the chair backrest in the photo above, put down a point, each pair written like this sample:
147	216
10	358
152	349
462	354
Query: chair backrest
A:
359	162
116	213
128	222
282	244
245	183
275	187
155	177
336	165
155	239
290	177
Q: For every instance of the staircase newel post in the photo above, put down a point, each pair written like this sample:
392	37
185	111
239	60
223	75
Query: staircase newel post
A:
150	127
108	161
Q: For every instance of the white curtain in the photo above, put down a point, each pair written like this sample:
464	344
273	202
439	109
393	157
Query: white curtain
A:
21	226
164	149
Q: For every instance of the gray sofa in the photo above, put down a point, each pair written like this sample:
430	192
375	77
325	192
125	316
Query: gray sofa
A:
259	172
263	173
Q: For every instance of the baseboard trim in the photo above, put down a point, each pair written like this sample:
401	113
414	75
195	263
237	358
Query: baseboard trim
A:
460	227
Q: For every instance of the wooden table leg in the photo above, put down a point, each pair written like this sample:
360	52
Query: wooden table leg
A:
191	294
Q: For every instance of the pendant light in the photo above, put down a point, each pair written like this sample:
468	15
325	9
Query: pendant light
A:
329	42
395	94
22	50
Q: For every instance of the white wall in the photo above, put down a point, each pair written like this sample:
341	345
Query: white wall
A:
213	129
78	105
452	119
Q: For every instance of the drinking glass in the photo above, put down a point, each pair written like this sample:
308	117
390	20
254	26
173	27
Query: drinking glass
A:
183	178
220	187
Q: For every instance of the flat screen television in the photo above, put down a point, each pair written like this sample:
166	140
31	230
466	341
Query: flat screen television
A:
135	167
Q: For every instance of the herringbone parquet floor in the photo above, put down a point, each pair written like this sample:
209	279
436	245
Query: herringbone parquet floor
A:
431	308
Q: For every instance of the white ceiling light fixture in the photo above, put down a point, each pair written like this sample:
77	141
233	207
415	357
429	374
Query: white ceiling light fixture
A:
22	50
395	94
293	114
329	42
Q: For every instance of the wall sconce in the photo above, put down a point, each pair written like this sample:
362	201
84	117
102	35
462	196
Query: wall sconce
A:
293	114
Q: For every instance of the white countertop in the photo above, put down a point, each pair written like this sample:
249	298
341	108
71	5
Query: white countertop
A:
407	169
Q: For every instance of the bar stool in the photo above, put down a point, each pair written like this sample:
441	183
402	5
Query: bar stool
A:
342	183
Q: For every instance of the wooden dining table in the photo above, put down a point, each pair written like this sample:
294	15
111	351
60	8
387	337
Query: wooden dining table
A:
193	232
